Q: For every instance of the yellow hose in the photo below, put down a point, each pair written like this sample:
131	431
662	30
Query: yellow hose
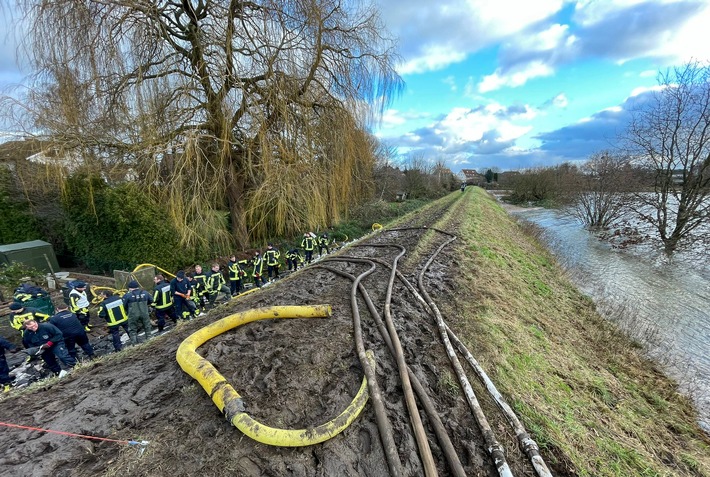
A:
146	265
230	402
376	226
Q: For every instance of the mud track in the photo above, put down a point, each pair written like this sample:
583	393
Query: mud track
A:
290	373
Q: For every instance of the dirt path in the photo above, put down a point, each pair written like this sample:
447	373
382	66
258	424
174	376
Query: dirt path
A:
291	374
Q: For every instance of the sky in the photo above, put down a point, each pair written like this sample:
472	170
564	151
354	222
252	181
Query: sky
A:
515	84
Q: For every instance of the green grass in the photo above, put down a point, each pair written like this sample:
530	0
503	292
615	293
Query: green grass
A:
589	398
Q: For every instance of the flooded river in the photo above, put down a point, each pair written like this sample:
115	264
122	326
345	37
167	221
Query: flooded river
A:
665	306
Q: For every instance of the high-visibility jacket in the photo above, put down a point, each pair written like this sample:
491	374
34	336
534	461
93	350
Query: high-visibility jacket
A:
200	284
235	270
258	266
272	257
308	243
323	241
28	313
78	302
215	281
162	296
113	311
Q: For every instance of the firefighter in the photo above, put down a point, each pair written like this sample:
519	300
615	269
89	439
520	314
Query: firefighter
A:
258	271
136	302
323	241
113	311
216	284
272	256
308	244
163	301
20	313
200	279
79	304
47	340
72	330
293	258
182	296
236	273
5	379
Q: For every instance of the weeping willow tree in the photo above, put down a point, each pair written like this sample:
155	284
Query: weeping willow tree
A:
243	118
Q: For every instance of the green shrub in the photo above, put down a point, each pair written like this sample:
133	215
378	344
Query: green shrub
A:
17	224
118	227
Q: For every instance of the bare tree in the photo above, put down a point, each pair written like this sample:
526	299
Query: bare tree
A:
600	190
255	107
670	138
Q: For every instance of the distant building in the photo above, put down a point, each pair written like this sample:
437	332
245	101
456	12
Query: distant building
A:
473	177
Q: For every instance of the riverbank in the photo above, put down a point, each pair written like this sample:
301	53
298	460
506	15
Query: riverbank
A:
587	394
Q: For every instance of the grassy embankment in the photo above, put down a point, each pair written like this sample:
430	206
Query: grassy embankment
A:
587	395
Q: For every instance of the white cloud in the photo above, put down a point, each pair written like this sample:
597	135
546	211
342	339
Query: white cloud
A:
514	78
434	35
431	59
560	101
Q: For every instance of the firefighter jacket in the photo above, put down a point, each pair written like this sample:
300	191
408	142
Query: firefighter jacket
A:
308	243
68	324
18	319
46	333
323	240
215	281
181	288
258	266
162	296
113	311
272	257
136	303
78	302
200	284
235	271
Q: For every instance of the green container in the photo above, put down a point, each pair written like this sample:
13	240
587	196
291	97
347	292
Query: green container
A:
43	304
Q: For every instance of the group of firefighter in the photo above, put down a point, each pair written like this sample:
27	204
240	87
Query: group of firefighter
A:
185	297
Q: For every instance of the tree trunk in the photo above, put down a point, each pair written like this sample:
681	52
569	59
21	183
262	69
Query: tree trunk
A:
237	211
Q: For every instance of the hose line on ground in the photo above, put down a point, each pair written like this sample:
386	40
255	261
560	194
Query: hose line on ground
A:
434	419
230	402
495	449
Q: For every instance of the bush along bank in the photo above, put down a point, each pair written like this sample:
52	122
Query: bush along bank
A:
587	395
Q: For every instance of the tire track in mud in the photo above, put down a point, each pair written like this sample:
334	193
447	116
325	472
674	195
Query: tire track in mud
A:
290	373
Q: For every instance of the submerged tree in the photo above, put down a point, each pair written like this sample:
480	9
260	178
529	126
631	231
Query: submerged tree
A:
255	107
598	197
670	138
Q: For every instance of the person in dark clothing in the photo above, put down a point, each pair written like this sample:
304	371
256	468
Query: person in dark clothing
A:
271	256
79	304
293	258
163	301
258	271
72	330
181	290
5	379
113	311
308	244
323	242
21	313
201	286
45	338
136	302
236	274
216	284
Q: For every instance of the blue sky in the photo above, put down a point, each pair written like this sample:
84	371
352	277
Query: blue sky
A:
512	84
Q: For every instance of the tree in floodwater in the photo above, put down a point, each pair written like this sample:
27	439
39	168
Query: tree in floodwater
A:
245	114
669	137
601	188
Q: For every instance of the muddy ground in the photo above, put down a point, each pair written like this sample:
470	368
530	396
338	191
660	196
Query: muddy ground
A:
291	374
